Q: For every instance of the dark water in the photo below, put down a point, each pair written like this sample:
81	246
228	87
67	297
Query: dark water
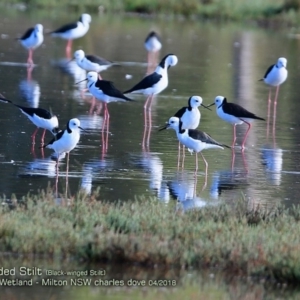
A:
214	59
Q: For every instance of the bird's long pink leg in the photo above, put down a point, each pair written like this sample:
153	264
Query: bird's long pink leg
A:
234	136
67	170
68	49
29	60
232	160
33	135
183	156
249	127
206	169
150	120
43	136
29	71
56	180
99	76
268	115
107	125
196	164
103	139
276	95
178	161
275	109
145	121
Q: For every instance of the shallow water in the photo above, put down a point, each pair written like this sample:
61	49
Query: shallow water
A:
214	59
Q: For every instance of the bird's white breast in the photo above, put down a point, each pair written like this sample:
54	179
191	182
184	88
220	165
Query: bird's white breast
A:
228	118
276	77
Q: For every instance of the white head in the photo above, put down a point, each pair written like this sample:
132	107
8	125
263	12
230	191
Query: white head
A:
281	62
173	123
219	100
79	54
168	61
195	101
39	28
85	18
73	124
92	76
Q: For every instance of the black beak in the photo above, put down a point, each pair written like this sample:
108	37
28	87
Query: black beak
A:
164	127
210	105
207	107
81	128
81	81
55	130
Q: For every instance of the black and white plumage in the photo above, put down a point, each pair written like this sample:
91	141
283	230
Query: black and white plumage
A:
40	117
190	115
153	42
67	139
235	115
156	82
91	62
73	30
32	39
277	73
104	90
275	76
195	140
190	118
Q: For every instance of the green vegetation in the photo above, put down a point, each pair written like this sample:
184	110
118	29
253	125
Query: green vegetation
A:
148	232
287	10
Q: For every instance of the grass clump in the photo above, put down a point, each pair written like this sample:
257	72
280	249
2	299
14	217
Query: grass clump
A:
148	232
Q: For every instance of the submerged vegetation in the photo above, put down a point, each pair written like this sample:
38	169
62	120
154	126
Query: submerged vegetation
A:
148	232
287	10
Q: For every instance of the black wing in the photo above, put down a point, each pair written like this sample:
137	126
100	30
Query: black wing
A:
98	60
239	111
65	28
180	112
27	34
42	113
204	137
57	137
146	82
109	89
269	70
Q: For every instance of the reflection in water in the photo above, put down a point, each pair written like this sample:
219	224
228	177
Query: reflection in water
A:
71	68
183	188
272	160
30	91
153	45
228	180
152	165
40	167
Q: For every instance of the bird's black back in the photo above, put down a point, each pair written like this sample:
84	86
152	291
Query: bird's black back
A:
27	34
98	60
269	70
238	111
42	113
109	89
203	137
56	138
181	112
65	28
146	82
